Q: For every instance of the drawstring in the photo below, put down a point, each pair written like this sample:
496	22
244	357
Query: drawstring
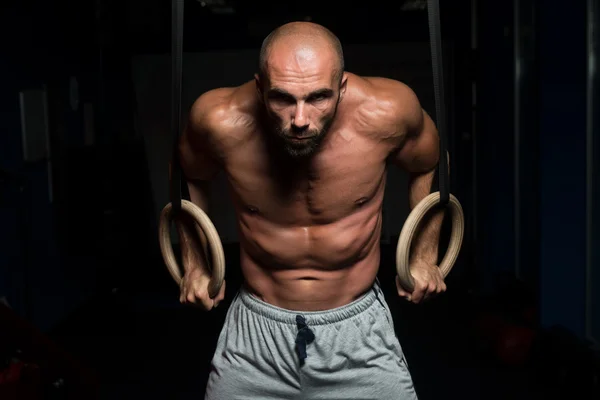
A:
377	297
304	337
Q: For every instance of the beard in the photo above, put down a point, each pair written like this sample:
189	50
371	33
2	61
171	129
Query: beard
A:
309	142
303	148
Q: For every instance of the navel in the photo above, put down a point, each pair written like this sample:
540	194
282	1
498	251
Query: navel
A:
252	209
361	201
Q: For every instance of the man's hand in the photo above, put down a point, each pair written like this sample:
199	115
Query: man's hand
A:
194	290
428	282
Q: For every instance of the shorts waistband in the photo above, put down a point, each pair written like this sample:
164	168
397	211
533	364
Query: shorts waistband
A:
334	315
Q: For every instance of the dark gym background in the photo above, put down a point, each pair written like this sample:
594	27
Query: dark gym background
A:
89	308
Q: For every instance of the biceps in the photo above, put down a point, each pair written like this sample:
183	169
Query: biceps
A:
420	152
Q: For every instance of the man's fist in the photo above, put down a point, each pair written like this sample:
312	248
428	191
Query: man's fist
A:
428	282
194	290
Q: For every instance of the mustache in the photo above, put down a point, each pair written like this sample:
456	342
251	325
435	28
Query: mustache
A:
291	133
305	135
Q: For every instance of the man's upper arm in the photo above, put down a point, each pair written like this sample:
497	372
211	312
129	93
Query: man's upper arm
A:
419	151
197	146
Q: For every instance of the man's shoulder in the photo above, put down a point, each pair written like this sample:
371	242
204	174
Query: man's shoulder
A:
219	121
223	110
385	104
391	96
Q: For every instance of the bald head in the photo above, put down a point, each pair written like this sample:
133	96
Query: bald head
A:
302	40
301	81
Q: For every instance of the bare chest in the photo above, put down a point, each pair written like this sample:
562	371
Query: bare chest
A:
344	177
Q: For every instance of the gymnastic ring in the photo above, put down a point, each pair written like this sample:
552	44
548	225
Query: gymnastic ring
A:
212	237
409	229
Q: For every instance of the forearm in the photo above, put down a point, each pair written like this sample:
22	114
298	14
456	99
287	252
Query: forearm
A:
193	241
426	240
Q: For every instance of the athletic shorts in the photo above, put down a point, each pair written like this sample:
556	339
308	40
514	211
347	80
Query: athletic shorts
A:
351	352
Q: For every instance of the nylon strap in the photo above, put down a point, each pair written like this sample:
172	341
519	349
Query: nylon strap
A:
435	39
176	73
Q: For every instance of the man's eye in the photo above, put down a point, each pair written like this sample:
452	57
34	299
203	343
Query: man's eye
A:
319	97
282	99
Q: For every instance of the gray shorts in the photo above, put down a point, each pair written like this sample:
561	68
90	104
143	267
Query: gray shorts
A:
351	352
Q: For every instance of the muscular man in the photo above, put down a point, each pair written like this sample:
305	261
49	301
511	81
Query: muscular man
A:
305	147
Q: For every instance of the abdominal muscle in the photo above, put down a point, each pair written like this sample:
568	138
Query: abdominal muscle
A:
311	268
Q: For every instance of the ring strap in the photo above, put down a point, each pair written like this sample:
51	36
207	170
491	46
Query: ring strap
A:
435	39
176	73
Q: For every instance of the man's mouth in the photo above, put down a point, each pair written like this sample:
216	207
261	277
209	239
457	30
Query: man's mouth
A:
299	138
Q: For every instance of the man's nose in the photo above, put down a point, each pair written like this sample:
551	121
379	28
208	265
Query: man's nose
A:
299	120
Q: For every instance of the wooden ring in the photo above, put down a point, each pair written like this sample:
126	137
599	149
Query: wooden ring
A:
212	238
409	229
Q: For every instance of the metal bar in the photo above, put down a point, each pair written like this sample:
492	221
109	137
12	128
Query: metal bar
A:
591	74
474	160
517	133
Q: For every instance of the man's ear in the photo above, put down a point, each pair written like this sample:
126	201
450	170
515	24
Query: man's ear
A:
343	86
258	84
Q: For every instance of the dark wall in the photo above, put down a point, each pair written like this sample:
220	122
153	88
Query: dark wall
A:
30	272
70	230
495	144
594	134
532	155
563	61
